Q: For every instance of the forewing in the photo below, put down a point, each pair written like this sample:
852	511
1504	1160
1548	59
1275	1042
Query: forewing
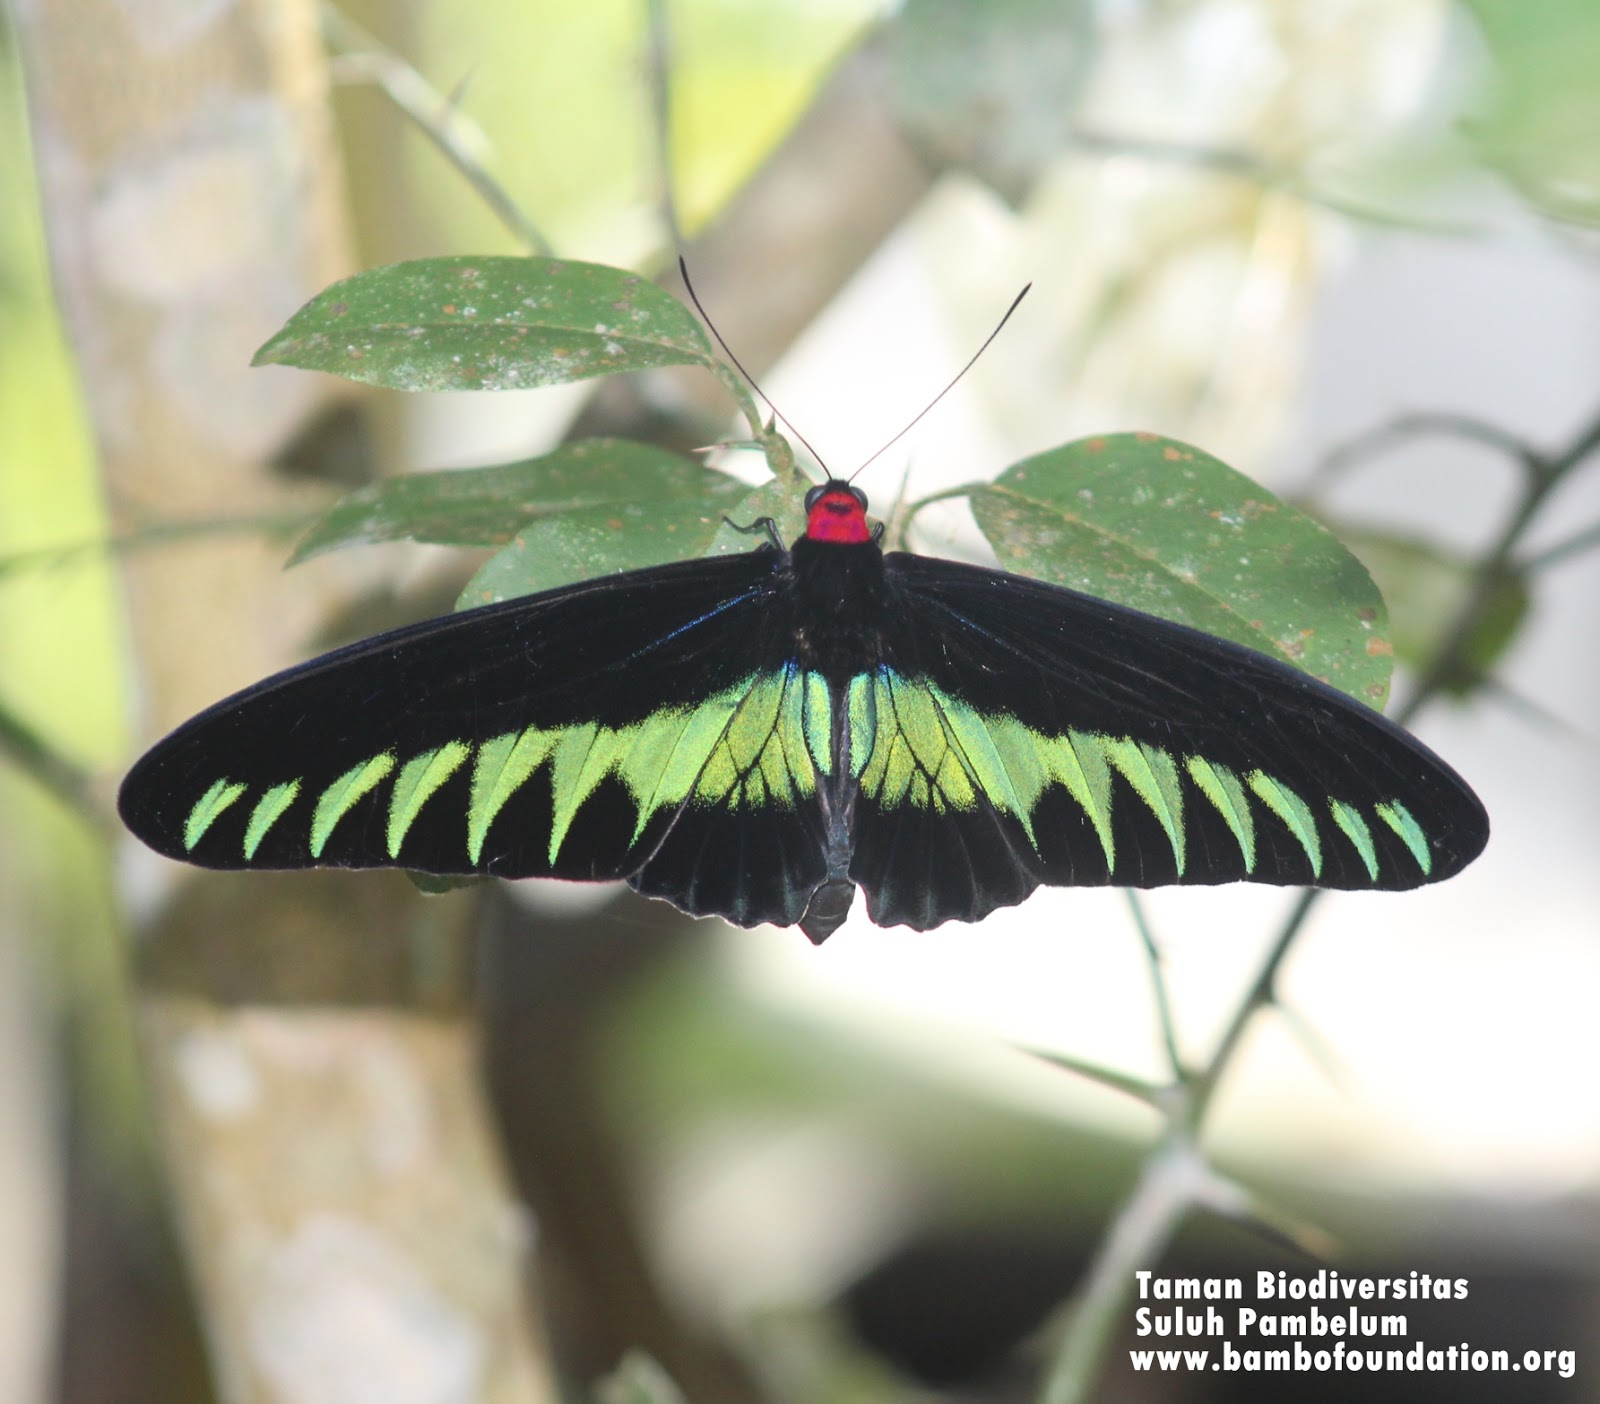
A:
588	733
1020	734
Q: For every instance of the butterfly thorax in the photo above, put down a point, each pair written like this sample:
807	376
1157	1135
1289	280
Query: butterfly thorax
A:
838	607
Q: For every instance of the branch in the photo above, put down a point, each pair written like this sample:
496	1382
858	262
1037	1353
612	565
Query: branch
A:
1270	175
156	534
1149	1218
1158	983
35	757
658	67
1353	452
360	58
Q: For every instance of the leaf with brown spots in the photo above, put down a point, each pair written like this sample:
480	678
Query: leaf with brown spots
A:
488	324
1164	527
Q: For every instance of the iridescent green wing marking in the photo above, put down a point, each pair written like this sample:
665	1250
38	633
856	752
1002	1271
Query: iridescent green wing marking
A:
634	727
1018	734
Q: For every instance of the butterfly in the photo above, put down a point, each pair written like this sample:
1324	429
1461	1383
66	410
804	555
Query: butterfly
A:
755	736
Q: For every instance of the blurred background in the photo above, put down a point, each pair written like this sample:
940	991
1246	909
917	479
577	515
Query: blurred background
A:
323	1139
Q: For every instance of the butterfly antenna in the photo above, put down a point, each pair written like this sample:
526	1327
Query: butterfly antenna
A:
705	317
948	388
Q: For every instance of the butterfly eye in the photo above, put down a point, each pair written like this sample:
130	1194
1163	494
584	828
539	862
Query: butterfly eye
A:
833	488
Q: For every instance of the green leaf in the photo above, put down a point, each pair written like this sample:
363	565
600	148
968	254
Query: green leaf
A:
489	506
615	505
437	884
990	87
1426	584
1163	527
1538	127
488	324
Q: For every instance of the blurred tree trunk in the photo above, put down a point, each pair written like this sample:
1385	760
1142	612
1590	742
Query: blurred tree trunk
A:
333	1178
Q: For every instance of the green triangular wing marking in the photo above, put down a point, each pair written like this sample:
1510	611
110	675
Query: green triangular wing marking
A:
1398	818
1154	778
503	764
686	752
1221	786
702	765
1011	781
416	784
207	809
687	770
1294	812
1078	761
583	756
654	771
1022	755
960	751
269	809
337	800
746	744
1355	829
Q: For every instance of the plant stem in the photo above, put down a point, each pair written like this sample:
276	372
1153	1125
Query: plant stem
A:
1367	444
1158	983
1141	1231
36	757
437	116
658	65
1544	476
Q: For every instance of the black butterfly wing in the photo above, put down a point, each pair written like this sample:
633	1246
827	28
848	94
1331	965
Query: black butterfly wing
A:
1021	734
647	726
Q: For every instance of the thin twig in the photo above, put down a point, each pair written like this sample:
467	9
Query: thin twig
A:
1320	1051
1270	175
1158	982
1575	545
30	752
1370	442
911	509
658	67
1227	1198
360	57
1140	1233
34	756
1534	713
1259	995
1135	1087
157	534
1544	475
